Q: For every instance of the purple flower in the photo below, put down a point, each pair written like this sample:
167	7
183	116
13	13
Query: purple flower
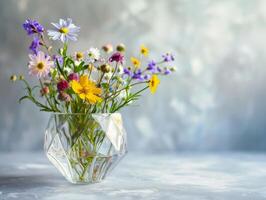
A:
159	70
32	27
137	75
117	57
62	85
151	66
168	57
73	76
35	44
167	71
127	72
59	59
147	77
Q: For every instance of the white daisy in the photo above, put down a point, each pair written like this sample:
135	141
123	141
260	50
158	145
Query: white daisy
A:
40	64
65	30
93	55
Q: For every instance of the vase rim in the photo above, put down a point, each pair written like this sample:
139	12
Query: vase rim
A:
59	113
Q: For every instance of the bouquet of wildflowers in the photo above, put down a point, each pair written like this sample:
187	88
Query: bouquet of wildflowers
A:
91	81
85	83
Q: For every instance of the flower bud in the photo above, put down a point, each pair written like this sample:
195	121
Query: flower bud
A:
79	56
62	85
105	68
61	77
64	97
121	48
13	78
21	77
172	69
91	67
45	90
107	76
73	76
119	79
108	48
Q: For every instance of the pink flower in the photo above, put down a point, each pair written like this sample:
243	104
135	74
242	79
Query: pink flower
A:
62	85
73	76
117	57
40	64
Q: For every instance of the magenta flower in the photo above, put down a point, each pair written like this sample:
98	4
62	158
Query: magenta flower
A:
62	85
117	57
73	76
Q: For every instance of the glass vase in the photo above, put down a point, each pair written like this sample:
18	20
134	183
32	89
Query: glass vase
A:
85	148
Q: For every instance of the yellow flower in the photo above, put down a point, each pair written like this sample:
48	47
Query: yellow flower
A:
135	62
86	89
144	50
153	83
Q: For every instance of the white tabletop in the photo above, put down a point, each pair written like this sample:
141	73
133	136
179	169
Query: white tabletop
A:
182	176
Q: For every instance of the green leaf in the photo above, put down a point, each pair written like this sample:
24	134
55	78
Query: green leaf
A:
79	68
105	85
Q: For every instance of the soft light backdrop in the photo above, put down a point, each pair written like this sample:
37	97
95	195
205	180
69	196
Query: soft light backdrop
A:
215	101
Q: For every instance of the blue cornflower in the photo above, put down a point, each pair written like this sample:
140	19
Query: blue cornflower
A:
168	57
35	44
32	27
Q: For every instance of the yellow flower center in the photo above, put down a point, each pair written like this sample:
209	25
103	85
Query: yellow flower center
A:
64	30
152	83
40	65
79	55
83	90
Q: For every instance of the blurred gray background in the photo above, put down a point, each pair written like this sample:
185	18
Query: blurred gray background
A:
216	100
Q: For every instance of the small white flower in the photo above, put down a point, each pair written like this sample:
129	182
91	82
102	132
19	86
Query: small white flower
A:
65	30
40	64
93	55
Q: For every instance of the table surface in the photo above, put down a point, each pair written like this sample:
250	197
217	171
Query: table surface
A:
183	176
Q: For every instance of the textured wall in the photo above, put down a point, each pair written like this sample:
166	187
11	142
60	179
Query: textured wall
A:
216	100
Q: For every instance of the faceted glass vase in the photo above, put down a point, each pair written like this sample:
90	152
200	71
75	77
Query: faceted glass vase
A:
85	148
